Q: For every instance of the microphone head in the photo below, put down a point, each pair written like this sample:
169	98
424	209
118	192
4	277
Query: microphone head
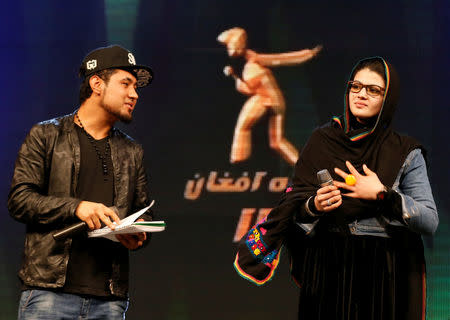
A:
324	178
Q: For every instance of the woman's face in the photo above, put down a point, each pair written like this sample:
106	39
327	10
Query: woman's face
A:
362	105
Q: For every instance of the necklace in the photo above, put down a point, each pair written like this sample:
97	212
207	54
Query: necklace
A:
99	155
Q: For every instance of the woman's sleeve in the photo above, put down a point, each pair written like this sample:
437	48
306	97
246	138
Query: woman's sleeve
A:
418	209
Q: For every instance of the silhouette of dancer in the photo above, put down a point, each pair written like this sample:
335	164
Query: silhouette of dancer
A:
259	83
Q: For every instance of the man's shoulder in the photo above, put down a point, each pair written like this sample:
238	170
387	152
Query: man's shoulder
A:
56	122
51	126
124	139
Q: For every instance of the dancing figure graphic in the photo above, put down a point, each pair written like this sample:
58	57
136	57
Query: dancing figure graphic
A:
257	82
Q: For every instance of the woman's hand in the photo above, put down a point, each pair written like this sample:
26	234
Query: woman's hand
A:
327	198
366	187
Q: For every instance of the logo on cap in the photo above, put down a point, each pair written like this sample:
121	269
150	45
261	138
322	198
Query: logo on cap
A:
131	59
91	64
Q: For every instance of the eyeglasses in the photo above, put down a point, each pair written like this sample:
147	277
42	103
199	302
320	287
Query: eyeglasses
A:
371	89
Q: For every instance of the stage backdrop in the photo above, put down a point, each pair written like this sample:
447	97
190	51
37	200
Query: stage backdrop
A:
213	165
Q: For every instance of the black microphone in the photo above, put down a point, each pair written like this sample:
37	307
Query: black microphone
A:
70	231
77	228
324	178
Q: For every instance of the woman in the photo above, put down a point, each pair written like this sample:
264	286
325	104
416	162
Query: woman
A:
361	256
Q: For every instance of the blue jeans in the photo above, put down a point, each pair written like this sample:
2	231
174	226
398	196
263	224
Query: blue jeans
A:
49	305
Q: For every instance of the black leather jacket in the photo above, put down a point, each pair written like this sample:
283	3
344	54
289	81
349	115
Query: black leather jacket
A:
42	196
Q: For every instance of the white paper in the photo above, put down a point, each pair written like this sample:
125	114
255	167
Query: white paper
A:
127	226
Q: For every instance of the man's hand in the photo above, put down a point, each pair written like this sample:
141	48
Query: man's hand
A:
366	186
132	241
95	213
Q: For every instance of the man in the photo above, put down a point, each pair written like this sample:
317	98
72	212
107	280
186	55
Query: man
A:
79	167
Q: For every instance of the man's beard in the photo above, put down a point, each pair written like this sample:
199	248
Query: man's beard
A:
123	117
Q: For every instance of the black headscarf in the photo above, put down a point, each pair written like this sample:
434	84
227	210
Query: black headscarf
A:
378	146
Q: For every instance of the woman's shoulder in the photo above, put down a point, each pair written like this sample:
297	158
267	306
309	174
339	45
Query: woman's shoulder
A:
327	128
405	141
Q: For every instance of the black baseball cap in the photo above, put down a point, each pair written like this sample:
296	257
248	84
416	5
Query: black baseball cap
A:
115	57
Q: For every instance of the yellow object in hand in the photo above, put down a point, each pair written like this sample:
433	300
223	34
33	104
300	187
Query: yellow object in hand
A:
350	180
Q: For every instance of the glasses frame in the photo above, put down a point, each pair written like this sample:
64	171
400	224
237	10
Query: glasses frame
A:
365	86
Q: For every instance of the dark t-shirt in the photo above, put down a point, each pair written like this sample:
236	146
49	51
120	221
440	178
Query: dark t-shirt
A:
91	259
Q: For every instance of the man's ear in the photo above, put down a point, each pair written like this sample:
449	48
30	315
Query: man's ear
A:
96	84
